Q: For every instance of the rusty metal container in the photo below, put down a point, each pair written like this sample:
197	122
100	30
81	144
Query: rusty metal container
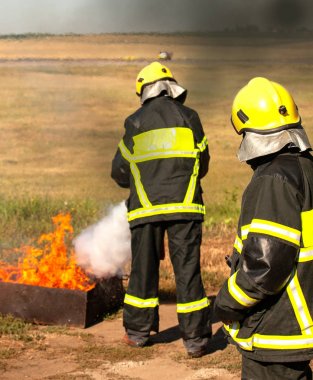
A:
56	306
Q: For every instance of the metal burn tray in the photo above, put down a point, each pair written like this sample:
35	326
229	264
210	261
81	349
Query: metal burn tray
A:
58	306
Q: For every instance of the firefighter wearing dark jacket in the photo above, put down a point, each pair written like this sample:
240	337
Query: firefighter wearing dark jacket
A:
267	302
161	158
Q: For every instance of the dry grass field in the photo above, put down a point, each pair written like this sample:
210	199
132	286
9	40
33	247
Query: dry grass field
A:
63	104
64	101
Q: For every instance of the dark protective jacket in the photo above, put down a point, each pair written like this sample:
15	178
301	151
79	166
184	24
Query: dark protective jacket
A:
161	158
269	295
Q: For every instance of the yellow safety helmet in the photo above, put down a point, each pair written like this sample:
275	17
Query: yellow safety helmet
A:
263	106
151	74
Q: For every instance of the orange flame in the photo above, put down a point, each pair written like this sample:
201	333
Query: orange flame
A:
52	264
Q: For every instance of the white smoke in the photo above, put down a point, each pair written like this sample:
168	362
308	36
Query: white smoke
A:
103	249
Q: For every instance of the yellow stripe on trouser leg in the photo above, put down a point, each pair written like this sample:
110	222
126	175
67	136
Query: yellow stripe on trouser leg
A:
140	302
192	306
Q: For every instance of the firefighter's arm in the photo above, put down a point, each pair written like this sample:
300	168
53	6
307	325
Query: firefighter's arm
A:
269	252
121	162
120	170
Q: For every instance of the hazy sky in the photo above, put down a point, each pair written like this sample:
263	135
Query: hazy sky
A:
101	16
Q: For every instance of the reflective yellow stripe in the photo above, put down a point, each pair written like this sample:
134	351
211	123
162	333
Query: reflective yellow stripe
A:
164	143
282	342
275	229
233	330
139	302
300	306
245	231
238	294
165	209
305	254
164	140
125	152
192	184
159	144
167	154
307	228
238	244
279	342
192	306
143	198
203	144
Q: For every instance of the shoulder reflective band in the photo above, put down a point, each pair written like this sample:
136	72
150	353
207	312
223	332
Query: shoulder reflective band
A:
139	302
164	143
165	209
238	244
203	144
300	306
307	228
238	294
275	229
192	306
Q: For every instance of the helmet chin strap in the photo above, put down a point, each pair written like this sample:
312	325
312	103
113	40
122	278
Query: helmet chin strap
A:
255	145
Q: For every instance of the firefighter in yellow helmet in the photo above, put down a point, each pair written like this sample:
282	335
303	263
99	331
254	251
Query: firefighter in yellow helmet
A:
267	304
161	158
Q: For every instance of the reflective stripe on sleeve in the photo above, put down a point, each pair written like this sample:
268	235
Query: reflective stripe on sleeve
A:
192	306
238	294
139	302
245	231
305	254
203	144
233	330
238	244
275	229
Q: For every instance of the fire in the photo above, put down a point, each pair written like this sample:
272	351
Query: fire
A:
51	264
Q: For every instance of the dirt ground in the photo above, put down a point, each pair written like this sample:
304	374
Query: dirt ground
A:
97	353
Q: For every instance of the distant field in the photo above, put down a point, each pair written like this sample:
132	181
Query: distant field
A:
64	100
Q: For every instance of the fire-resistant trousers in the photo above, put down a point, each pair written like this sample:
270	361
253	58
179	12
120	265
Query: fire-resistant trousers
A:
255	370
141	300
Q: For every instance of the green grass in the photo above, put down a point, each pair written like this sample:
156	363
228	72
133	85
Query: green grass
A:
224	215
24	220
18	329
